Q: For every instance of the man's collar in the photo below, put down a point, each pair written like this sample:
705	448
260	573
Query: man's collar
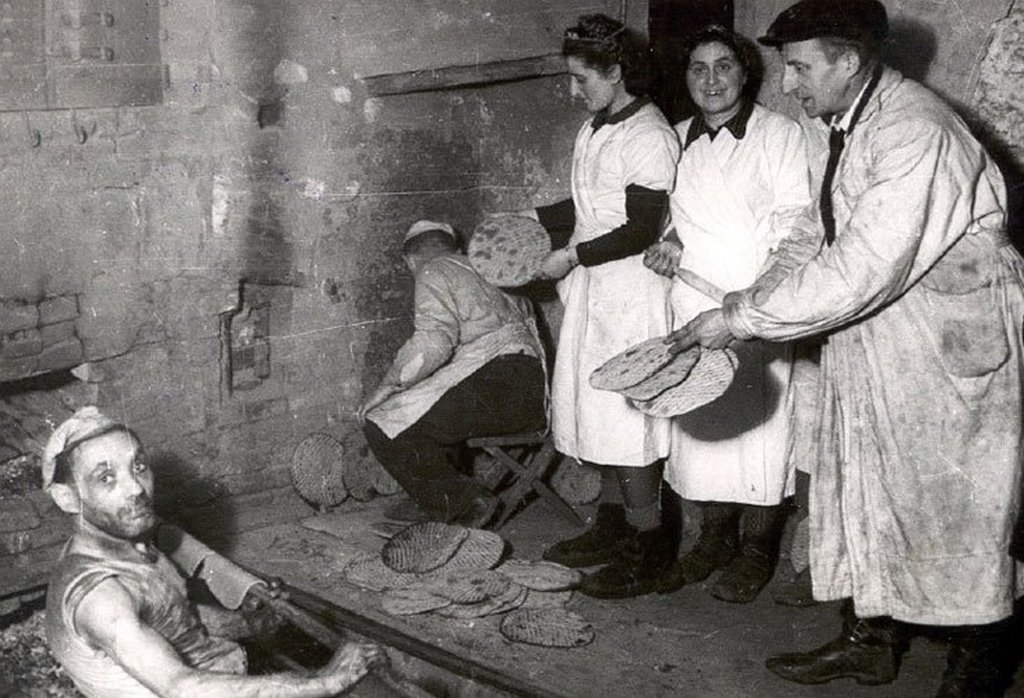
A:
737	125
847	121
601	118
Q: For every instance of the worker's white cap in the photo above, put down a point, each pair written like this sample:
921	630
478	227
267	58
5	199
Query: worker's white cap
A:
84	424
426	226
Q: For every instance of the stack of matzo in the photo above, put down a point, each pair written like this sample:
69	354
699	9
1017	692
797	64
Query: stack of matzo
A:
663	385
454	572
325	471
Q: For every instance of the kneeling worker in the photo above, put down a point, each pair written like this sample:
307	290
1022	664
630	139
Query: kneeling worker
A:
473	367
117	616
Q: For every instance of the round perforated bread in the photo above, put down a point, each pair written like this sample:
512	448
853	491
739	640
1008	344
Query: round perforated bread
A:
512	597
541	575
408	602
668	376
575	483
423	547
318	470
481	550
706	382
508	250
631	366
370	572
547	599
548	627
467	588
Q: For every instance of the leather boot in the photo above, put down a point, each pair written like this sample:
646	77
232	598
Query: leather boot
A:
644	558
869	653
598	545
748	573
715	548
977	663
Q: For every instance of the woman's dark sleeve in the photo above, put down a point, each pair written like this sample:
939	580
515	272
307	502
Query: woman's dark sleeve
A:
645	213
559	220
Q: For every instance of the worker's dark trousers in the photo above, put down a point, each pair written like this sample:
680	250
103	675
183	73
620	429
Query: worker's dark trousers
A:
505	396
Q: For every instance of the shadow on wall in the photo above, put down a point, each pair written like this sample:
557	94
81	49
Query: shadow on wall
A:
910	48
181	490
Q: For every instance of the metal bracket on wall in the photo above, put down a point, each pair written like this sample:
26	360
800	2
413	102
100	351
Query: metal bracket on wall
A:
450	77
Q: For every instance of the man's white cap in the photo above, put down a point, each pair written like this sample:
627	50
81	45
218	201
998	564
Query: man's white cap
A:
84	424
425	226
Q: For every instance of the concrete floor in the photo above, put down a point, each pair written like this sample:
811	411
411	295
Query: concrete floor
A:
682	644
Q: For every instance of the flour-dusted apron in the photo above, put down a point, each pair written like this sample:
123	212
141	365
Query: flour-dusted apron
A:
734	449
608	308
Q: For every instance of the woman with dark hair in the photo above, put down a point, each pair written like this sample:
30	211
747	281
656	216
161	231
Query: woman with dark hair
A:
742	180
624	164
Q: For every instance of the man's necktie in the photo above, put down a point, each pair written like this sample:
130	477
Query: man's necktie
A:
836	139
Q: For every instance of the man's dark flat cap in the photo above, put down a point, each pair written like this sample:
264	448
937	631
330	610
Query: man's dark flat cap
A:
860	20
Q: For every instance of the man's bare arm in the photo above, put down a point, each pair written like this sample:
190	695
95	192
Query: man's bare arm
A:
108	620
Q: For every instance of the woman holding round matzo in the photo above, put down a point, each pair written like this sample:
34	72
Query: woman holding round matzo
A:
624	164
742	180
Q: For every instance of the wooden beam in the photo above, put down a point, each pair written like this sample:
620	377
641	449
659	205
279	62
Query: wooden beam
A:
464	75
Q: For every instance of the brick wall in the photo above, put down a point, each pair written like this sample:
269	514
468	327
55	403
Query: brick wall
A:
266	184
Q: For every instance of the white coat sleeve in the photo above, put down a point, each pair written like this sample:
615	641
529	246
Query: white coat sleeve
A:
650	159
913	208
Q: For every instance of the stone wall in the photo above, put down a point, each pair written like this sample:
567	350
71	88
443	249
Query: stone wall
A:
223	270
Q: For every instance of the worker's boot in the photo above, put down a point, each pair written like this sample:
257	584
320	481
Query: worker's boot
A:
748	573
598	545
868	651
643	560
977	663
715	548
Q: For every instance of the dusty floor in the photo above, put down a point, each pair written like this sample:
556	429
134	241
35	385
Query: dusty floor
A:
686	643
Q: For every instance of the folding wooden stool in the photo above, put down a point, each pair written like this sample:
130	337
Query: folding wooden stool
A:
529	457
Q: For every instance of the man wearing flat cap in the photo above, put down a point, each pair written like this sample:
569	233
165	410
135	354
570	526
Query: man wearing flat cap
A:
117	615
903	264
473	367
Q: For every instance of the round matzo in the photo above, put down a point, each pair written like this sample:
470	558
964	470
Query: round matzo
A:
408	602
668	376
508	250
466	587
707	381
369	572
631	366
548	627
423	547
481	550
318	470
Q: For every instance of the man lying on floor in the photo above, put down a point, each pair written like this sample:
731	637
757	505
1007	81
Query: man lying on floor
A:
117	616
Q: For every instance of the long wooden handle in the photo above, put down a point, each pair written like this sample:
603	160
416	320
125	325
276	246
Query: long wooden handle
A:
700	284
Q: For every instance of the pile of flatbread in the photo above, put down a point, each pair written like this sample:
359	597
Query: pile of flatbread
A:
458	573
662	385
508	250
325	472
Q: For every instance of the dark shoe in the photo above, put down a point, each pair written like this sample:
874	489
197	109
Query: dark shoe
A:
482	511
868	654
747	574
598	545
797	593
976	666
405	509
712	552
645	557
